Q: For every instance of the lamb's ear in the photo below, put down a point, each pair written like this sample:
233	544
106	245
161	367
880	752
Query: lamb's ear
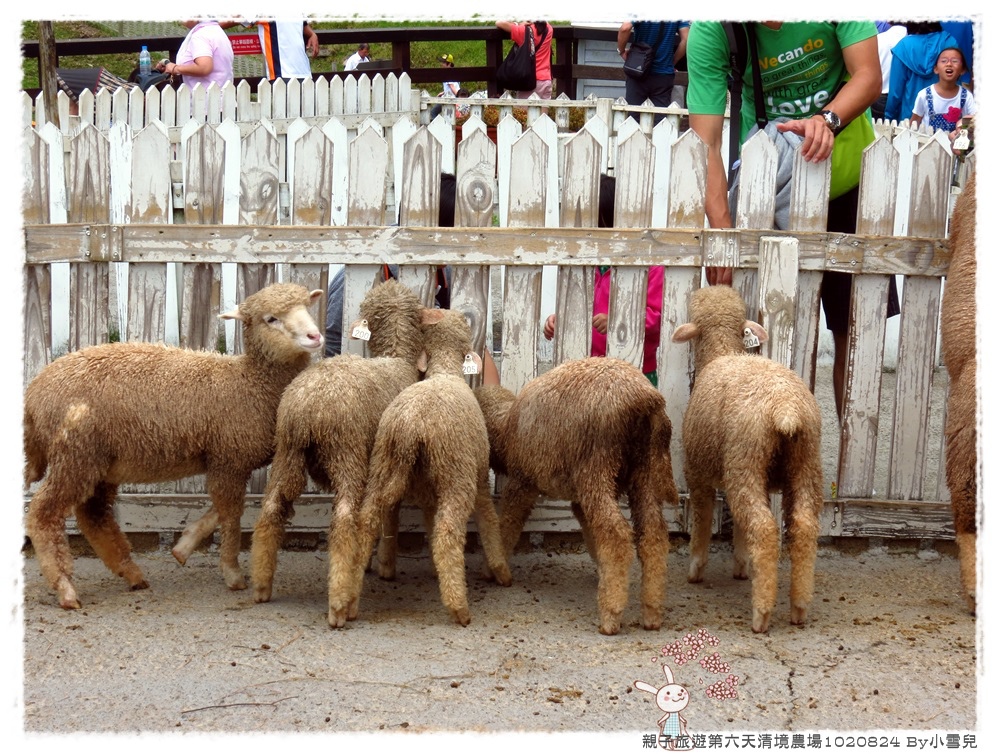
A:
234	314
684	333
473	363
422	362
431	316
315	295
757	330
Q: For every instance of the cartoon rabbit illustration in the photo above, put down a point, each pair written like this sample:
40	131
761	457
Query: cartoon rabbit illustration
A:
671	698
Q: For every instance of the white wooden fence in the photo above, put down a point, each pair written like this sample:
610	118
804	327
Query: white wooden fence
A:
298	177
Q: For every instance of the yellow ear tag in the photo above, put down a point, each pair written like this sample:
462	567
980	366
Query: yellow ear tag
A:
469	365
749	339
361	331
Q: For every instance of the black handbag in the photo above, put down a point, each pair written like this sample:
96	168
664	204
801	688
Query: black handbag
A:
639	58
517	71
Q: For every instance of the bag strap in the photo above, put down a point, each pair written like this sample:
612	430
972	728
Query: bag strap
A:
742	44
529	38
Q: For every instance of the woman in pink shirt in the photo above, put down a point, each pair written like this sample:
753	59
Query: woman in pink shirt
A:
542	32
205	56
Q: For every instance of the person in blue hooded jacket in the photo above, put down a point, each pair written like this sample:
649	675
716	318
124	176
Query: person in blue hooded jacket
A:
913	61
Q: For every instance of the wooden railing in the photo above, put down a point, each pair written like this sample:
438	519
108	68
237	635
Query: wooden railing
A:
566	70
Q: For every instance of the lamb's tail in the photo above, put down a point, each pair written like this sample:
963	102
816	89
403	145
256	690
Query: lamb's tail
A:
787	421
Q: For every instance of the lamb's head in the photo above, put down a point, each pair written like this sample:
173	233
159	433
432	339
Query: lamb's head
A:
447	342
277	325
718	324
393	313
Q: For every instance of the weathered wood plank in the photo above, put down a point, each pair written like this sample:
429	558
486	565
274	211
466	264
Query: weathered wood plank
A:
775	309
675	361
310	167
88	305
521	311
167	512
920	309
369	164
37	319
420	192
35	185
147	291
862	388
565	246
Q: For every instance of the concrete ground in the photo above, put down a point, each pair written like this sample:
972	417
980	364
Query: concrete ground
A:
888	645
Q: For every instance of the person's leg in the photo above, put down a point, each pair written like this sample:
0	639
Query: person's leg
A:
835	292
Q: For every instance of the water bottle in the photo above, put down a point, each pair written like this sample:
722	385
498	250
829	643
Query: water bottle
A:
145	63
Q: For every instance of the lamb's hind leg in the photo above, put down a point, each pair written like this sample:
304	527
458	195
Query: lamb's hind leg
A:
701	501
750	506
802	503
652	541
45	525
495	563
285	484
353	536
455	504
388	544
97	523
613	551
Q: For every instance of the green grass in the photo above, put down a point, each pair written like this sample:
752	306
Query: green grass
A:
422	54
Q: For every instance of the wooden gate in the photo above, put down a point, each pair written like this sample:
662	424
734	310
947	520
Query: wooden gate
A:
292	178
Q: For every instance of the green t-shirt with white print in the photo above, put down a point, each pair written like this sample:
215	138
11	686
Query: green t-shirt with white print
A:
801	65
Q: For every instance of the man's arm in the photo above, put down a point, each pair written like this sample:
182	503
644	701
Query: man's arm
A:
311	40
863	88
709	129
624	35
681	50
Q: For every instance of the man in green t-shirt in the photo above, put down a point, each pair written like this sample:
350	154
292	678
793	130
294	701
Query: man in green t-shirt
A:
820	75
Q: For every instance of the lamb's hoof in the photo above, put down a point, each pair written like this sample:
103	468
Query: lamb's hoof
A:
262	593
651	618
352	610
180	555
740	571
387	572
761	621
462	616
696	573
799	615
610	626
235	581
67	595
139	585
337	618
500	575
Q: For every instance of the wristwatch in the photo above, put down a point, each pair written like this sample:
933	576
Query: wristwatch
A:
832	121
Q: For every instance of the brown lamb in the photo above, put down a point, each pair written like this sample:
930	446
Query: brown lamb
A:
589	431
326	427
140	412
751	426
432	448
958	348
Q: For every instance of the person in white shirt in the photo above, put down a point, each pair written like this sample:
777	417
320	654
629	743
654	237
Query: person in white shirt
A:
945	103
361	56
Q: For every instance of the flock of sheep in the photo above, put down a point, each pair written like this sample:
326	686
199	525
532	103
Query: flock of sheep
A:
404	424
